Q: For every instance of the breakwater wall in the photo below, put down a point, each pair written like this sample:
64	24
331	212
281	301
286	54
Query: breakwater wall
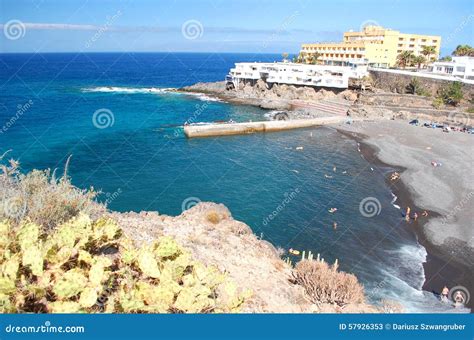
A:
225	129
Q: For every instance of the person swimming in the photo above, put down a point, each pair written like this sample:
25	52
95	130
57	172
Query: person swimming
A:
294	251
407	214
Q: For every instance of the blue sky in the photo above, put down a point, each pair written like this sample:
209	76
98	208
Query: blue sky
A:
218	25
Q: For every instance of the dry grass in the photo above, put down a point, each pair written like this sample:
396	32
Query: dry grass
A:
279	265
324	284
390	307
41	197
239	229
213	217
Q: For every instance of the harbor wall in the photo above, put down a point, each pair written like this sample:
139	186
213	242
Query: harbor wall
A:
208	130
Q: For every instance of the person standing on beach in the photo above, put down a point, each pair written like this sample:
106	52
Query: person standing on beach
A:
444	294
459	298
415	216
407	214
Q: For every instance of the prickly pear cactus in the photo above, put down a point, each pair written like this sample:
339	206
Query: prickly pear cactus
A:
66	271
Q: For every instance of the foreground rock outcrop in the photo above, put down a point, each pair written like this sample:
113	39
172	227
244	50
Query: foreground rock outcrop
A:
214	237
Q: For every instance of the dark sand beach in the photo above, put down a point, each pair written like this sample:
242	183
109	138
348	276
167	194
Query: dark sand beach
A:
447	232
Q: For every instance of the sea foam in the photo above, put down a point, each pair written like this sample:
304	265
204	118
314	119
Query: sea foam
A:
151	90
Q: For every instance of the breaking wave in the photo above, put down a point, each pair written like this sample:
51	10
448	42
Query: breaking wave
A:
149	90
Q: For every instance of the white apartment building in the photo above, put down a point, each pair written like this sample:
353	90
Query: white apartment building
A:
459	67
296	74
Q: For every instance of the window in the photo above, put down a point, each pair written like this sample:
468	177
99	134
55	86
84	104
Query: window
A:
449	69
460	69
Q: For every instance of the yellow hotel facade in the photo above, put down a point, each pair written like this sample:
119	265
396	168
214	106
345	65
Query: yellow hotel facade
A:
376	45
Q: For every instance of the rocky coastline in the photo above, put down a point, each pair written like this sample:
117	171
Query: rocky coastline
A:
307	102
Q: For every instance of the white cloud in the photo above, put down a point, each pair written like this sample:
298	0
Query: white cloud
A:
82	27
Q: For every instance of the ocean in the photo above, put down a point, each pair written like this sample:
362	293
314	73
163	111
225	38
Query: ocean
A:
115	114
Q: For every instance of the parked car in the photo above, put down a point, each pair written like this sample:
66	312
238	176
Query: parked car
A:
415	122
447	129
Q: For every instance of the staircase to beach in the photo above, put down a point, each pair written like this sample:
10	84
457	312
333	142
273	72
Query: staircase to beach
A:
326	106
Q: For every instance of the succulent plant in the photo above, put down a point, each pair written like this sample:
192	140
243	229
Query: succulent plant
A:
65	270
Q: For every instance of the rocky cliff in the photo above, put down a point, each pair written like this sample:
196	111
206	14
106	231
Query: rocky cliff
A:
215	238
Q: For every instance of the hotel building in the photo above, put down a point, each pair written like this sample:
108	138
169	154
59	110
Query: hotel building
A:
377	46
330	76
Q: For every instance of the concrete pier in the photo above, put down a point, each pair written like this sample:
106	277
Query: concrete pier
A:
224	129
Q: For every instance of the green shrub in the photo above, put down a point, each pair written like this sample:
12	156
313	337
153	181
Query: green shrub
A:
324	284
67	270
438	103
452	93
415	87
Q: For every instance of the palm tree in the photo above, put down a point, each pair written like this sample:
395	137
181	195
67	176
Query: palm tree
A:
301	57
428	51
405	59
446	58
418	60
463	50
313	58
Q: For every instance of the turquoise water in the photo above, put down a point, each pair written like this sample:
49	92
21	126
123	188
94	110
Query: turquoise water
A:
135	152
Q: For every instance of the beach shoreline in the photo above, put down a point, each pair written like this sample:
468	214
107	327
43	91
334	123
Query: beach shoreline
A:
441	267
